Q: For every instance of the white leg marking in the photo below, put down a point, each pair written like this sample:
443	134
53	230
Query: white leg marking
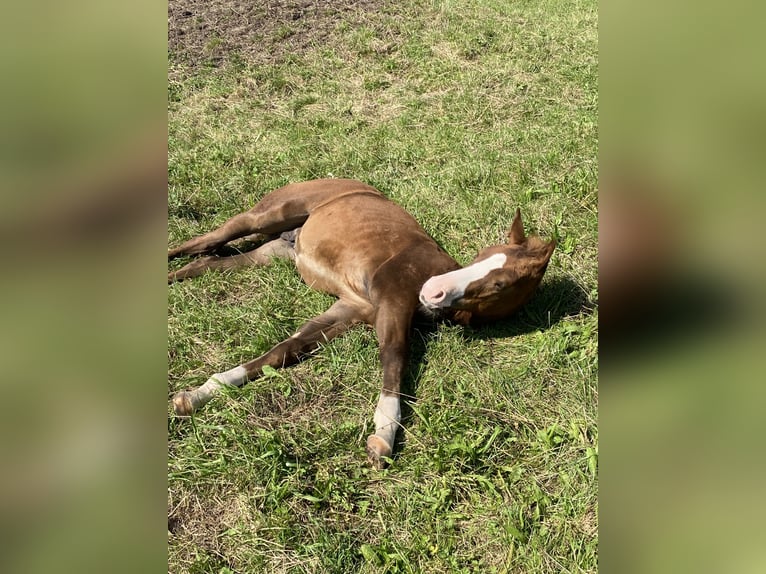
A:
235	377
387	417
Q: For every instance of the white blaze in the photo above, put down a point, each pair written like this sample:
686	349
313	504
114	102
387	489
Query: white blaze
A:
443	290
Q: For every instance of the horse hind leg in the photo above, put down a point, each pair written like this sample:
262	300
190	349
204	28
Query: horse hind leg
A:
238	226
281	210
268	218
263	255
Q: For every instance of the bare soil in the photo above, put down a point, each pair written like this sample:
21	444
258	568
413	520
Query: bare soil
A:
209	32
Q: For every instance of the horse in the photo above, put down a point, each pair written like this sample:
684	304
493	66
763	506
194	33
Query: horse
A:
347	239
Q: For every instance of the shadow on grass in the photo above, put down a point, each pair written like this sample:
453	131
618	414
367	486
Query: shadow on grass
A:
556	299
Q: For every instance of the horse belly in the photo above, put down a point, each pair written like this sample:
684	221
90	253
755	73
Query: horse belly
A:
344	242
326	267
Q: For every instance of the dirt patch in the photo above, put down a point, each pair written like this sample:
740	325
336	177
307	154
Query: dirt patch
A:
209	32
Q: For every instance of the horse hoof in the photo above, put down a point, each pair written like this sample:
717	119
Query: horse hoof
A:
377	449
182	404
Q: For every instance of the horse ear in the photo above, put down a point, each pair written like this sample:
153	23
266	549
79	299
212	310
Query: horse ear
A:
547	252
516	232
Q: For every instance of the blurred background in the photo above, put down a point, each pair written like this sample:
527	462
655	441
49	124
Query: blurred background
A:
83	223
82	299
681	412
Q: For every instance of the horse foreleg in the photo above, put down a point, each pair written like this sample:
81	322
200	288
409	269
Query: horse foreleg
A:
392	326
335	321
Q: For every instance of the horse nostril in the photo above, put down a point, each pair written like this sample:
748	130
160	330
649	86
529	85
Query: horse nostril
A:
438	296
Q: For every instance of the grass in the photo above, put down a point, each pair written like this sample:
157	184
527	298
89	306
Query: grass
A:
460	112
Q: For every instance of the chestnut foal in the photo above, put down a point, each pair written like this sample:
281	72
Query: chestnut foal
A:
349	240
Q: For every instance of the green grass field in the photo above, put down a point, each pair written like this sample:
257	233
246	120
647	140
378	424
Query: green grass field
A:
460	112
